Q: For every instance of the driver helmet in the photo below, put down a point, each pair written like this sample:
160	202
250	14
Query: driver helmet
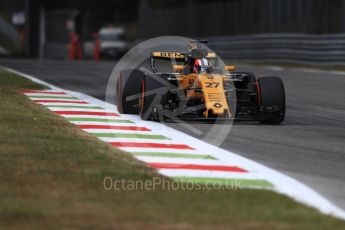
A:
200	65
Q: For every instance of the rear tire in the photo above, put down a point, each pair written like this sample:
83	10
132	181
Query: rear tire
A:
271	96
128	85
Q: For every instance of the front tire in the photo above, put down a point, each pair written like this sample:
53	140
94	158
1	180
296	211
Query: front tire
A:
153	87
271	100
128	91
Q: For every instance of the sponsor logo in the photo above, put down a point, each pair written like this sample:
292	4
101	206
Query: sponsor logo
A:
218	105
171	55
211	84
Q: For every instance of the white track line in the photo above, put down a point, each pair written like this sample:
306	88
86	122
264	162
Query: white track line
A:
92	116
208	174
159	150
58	100
136	140
118	131
172	160
78	109
45	96
104	123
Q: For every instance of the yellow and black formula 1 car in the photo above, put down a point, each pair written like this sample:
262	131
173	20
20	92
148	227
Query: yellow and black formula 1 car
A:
198	90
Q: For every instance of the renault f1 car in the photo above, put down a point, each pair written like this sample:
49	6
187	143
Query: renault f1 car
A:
199	90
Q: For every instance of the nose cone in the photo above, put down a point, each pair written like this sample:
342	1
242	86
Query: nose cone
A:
214	95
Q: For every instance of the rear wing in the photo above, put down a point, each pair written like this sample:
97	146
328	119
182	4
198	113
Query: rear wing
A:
168	55
177	56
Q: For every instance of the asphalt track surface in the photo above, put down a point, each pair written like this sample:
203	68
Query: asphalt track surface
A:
309	145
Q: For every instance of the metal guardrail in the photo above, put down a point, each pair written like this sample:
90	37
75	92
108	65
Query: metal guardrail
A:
9	31
289	48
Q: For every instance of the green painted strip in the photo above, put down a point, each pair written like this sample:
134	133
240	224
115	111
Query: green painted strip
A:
173	155
53	97
130	135
74	106
225	182
99	119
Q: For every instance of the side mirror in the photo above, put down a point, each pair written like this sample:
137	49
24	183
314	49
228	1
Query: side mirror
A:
177	68
229	68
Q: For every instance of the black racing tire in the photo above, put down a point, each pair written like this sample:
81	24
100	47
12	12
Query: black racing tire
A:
271	93
128	84
153	87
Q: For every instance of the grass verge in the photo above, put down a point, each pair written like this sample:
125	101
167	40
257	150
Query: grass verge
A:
52	173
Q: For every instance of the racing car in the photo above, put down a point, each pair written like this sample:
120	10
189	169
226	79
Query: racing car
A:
198	89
